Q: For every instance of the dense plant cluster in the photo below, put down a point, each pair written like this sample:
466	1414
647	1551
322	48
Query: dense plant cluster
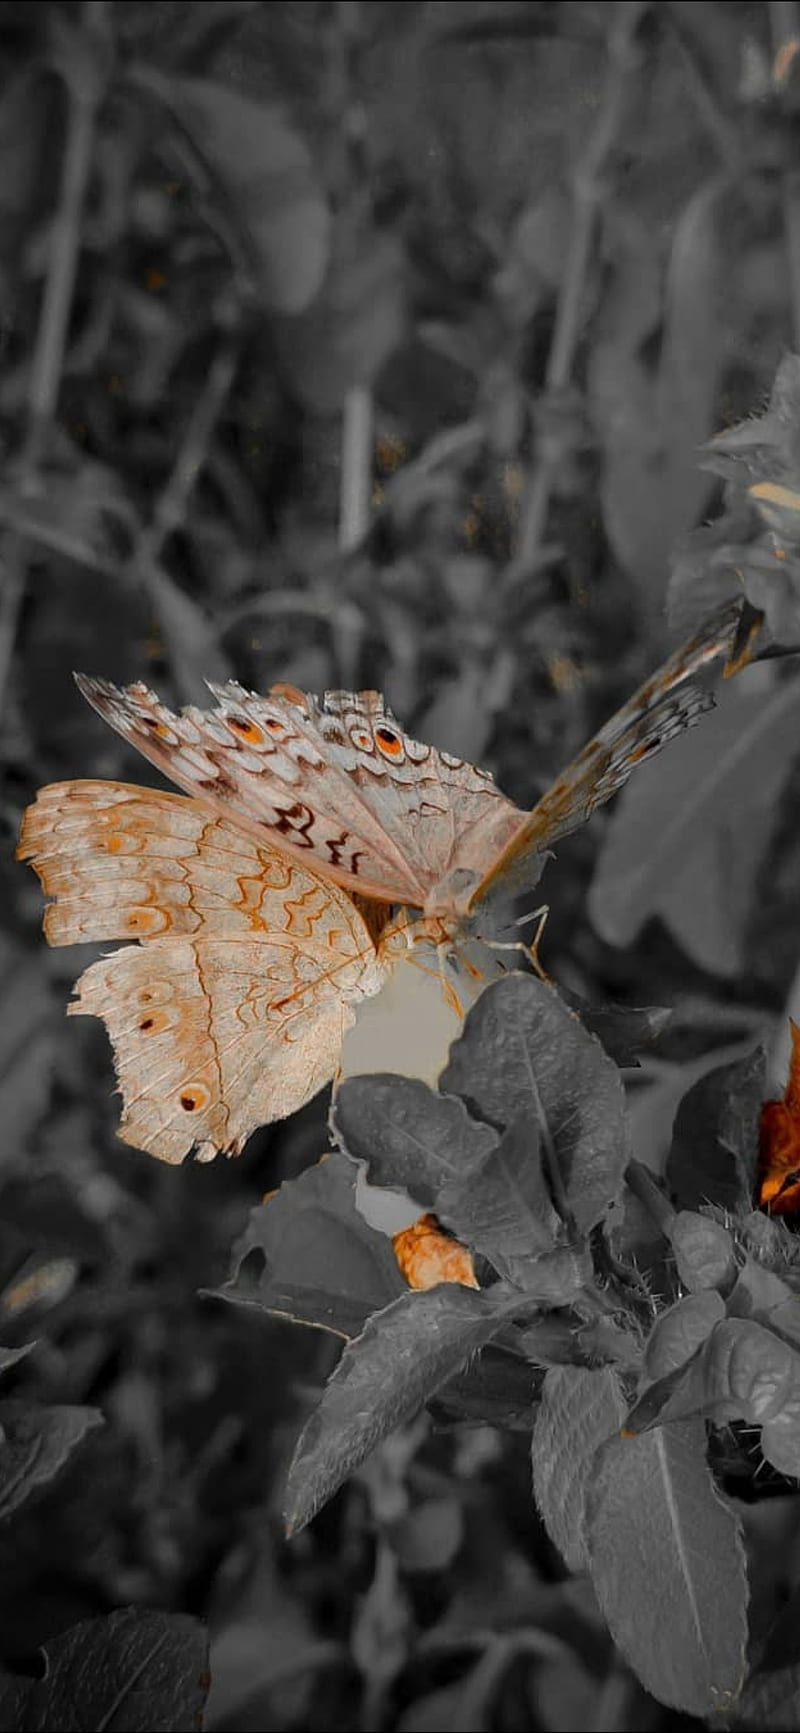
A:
429	348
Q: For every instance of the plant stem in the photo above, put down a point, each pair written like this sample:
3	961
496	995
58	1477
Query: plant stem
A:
586	196
84	93
785	30
355	491
172	502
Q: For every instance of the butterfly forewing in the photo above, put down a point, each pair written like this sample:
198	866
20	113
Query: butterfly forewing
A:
341	783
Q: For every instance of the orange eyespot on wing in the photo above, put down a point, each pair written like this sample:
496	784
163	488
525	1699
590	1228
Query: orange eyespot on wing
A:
249	730
390	744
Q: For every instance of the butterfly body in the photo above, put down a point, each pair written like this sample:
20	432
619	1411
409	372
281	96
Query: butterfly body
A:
263	896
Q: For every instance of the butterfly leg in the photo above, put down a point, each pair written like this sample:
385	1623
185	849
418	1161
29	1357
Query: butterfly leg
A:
540	916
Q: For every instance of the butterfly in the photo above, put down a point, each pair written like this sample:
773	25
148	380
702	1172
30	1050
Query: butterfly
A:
266	902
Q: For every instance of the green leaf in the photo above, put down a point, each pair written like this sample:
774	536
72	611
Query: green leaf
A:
35	1444
668	1568
760	1293
680	1394
353	326
265	171
623	1030
771	1697
772	585
579	1411
307	1254
117	1674
715	1136
687	840
768	1240
555	1339
402	1358
407	1134
496	1388
785	1318
704	1251
753	543
191	635
489	1190
26	1042
501	1206
10	1356
263	1639
770	1702
780	1437
428	1537
761	446
607	1341
678	1333
742	1372
523	1053
650	418
753	1371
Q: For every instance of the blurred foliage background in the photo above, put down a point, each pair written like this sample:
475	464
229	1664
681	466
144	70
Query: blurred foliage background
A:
348	345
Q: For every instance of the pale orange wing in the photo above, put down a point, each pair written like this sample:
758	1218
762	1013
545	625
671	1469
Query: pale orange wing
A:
338	782
662	708
232	1011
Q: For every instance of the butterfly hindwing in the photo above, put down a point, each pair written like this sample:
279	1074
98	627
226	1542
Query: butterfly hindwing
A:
232	1009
